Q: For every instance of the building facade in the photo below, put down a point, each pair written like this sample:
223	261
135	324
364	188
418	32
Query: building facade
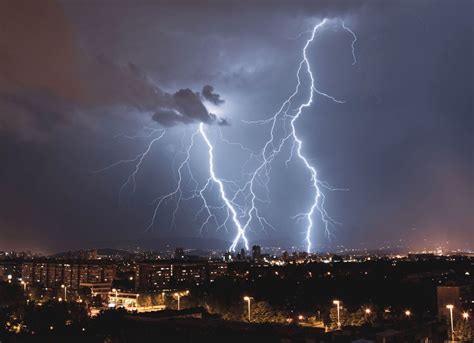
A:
458	296
170	274
68	273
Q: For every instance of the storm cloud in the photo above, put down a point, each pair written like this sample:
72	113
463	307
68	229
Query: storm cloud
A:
52	83
209	95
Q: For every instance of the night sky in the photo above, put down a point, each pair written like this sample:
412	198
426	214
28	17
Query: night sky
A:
79	78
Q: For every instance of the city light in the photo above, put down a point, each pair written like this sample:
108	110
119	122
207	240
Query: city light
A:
368	311
465	315
408	313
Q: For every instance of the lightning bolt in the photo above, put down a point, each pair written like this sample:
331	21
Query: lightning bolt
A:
138	160
274	145
228	203
177	191
354	40
242	202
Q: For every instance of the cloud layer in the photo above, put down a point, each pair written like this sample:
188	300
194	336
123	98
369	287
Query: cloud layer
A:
50	82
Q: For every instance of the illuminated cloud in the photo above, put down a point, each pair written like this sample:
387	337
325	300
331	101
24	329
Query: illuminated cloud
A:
209	95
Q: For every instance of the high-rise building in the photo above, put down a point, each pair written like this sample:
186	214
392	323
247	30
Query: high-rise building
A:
458	296
256	252
216	269
179	254
242	254
170	274
153	276
70	273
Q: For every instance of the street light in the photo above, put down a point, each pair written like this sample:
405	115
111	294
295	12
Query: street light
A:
24	285
65	290
408	313
450	308
247	299
465	315
179	295
116	296
179	300
338	304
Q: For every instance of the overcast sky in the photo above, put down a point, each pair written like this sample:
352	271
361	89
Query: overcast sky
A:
78	79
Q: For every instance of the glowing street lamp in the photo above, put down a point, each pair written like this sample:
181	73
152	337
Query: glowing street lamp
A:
450	308
465	315
407	313
338	304
116	295
179	295
179	300
65	290
24	285
248	299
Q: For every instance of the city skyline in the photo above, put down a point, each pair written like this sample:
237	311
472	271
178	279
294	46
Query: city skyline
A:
398	145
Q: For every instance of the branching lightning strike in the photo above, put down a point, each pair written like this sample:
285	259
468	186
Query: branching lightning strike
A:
241	202
272	148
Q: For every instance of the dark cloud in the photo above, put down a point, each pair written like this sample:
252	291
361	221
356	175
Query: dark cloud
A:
184	106
50	82
129	86
30	116
209	95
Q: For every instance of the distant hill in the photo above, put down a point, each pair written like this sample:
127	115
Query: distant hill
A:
102	251
163	244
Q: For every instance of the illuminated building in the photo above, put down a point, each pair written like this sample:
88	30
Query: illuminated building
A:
9	268
70	273
216	269
256	252
179	254
101	289
457	296
169	274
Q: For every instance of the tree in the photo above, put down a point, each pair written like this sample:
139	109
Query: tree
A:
343	317
262	312
464	330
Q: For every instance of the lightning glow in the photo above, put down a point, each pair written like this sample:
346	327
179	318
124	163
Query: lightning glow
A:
354	40
177	191
241	200
138	160
223	195
273	145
